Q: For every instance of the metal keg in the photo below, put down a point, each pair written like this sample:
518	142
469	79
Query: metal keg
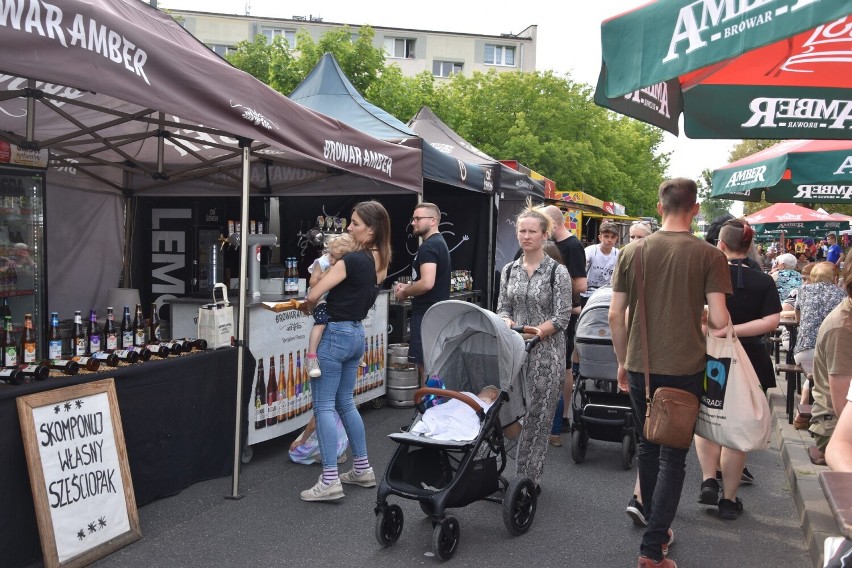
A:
402	383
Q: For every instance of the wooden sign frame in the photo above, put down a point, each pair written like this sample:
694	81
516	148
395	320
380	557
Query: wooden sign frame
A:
67	400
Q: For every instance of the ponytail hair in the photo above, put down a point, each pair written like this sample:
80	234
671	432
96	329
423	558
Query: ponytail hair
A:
737	235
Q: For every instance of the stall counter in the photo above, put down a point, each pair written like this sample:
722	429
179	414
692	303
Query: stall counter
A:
279	343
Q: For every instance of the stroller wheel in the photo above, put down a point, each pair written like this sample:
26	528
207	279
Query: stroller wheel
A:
519	505
628	450
389	525
579	445
445	538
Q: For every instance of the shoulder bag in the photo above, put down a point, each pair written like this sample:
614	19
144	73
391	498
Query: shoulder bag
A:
670	416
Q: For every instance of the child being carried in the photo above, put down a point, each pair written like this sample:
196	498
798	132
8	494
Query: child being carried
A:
337	247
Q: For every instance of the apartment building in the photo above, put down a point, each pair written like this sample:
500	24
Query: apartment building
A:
441	53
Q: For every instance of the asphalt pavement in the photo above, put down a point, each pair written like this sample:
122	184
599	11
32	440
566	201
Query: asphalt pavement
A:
580	519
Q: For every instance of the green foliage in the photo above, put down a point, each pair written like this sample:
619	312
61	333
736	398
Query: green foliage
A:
711	208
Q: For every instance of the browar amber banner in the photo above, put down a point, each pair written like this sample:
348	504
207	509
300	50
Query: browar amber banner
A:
771	69
793	171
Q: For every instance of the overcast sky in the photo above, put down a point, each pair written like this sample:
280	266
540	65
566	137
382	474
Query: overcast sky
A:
568	40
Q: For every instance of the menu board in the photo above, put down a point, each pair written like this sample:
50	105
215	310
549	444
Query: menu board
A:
79	474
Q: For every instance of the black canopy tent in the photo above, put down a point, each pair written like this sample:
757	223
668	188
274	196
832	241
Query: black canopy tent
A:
128	103
465	222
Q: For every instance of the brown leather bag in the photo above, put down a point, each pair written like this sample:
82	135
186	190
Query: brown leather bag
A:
670	417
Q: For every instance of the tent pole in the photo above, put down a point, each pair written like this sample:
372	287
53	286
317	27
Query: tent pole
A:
31	111
241	326
492	260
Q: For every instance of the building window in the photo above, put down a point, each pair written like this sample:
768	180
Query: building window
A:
399	47
221	50
445	68
272	33
499	55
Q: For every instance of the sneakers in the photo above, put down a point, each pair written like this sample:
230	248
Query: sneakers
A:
365	479
730	510
555	440
636	513
709	492
313	367
645	562
323	492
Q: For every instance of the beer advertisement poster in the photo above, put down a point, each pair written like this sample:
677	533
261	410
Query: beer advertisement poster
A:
79	474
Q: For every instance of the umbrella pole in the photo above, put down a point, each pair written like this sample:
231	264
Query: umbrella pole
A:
241	326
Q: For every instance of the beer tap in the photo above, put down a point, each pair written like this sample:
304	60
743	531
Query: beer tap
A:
254	241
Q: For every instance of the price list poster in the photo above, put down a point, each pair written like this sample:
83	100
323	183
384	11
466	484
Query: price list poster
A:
79	474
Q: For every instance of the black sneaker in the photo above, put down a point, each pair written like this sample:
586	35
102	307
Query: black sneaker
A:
747	478
636	512
709	492
730	510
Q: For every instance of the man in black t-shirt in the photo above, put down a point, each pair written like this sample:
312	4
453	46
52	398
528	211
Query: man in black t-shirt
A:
430	273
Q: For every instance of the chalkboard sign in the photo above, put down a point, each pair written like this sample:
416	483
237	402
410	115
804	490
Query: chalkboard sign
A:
80	478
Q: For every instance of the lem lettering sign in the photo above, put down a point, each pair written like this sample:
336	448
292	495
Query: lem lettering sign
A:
78	471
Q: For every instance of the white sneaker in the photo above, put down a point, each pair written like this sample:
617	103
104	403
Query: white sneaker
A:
323	492
313	367
365	479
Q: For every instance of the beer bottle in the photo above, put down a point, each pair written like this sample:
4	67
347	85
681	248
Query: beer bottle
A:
78	338
291	389
139	327
143	352
10	349
54	338
93	333
186	345
11	375
126	329
299	398
110	331
28	341
306	381
282	390
108	358
34	371
272	407
6	310
154	326
175	347
160	349
124	355
67	366
310	400
90	363
259	398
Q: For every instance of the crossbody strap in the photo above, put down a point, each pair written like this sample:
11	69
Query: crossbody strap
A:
643	325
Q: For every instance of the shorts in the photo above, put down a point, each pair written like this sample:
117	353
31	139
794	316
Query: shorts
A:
415	341
321	314
570	332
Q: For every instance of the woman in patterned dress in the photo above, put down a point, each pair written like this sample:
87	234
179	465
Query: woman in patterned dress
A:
537	293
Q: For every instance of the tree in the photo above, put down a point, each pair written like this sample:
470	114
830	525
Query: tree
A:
711	207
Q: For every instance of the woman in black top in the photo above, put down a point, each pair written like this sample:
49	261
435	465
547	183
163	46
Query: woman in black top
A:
352	284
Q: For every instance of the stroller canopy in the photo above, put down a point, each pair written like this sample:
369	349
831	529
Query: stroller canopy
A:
469	348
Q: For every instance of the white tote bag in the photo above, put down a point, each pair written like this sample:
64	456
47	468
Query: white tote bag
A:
734	412
216	321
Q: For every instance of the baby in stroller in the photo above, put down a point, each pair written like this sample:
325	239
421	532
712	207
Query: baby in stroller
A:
454	419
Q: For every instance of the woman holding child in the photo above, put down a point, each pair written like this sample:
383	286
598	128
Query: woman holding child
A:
535	290
352	284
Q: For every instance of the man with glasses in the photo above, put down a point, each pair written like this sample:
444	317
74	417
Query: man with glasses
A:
430	275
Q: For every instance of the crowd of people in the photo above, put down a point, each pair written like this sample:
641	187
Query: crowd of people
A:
692	287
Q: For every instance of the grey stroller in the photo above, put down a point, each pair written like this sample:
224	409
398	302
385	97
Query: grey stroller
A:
600	411
469	348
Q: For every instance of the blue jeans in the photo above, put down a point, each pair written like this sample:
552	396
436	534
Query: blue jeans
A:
661	468
339	352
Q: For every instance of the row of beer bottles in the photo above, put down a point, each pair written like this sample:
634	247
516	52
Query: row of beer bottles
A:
283	395
137	332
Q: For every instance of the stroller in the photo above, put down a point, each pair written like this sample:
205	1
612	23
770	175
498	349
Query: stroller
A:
469	348
600	411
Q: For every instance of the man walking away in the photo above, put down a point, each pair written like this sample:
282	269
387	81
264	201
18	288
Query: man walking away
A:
681	274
